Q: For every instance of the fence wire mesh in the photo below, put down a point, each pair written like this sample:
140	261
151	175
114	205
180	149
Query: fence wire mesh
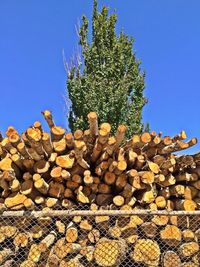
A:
99	238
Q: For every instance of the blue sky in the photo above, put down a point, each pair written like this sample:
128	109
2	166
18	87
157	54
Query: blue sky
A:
167	40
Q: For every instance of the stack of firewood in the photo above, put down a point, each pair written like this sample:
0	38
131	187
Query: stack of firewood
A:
40	169
80	241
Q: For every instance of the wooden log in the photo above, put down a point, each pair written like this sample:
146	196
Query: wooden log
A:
181	177
27	263
71	235
118	201
34	155
146	251
51	202
26	187
28	164
60	227
57	133
8	231
120	134
56	190
104	188
14	185
42	186
121	181
8	263
104	199
147	177
36	232
185	204
93	122
190	192
10	130
41	166
150	229
189	264
132	156
6	145
34	253
171	235
188	249
153	167
188	235
140	162
73	262
65	161
65	174
160	220
13	201
21	240
171	259
5	253
46	143
14	139
48	117
169	180
60	146
96	152
34	137
69	140
29	204
81	196
128	191
6	164
94	236
109	252
103	135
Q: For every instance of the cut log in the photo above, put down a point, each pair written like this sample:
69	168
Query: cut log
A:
46	143
188	249
171	235
48	241
118	201
71	233
109	252
41	166
48	117
16	200
187	204
60	146
171	259
94	236
160	220
57	133
188	235
56	190
21	240
160	202
42	186
146	251
150	229
5	253
26	187
65	161
93	122
85	225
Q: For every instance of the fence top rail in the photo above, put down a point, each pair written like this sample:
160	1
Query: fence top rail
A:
71	213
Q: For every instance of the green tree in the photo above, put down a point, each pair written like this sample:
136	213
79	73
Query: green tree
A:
108	78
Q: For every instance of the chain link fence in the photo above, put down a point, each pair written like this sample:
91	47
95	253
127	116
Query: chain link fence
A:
77	238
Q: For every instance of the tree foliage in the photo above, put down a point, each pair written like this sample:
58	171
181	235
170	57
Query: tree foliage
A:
108	78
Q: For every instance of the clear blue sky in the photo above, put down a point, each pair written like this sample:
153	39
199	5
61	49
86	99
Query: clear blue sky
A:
167	40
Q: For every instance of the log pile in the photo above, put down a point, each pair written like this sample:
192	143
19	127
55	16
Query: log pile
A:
98	171
92	241
50	169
